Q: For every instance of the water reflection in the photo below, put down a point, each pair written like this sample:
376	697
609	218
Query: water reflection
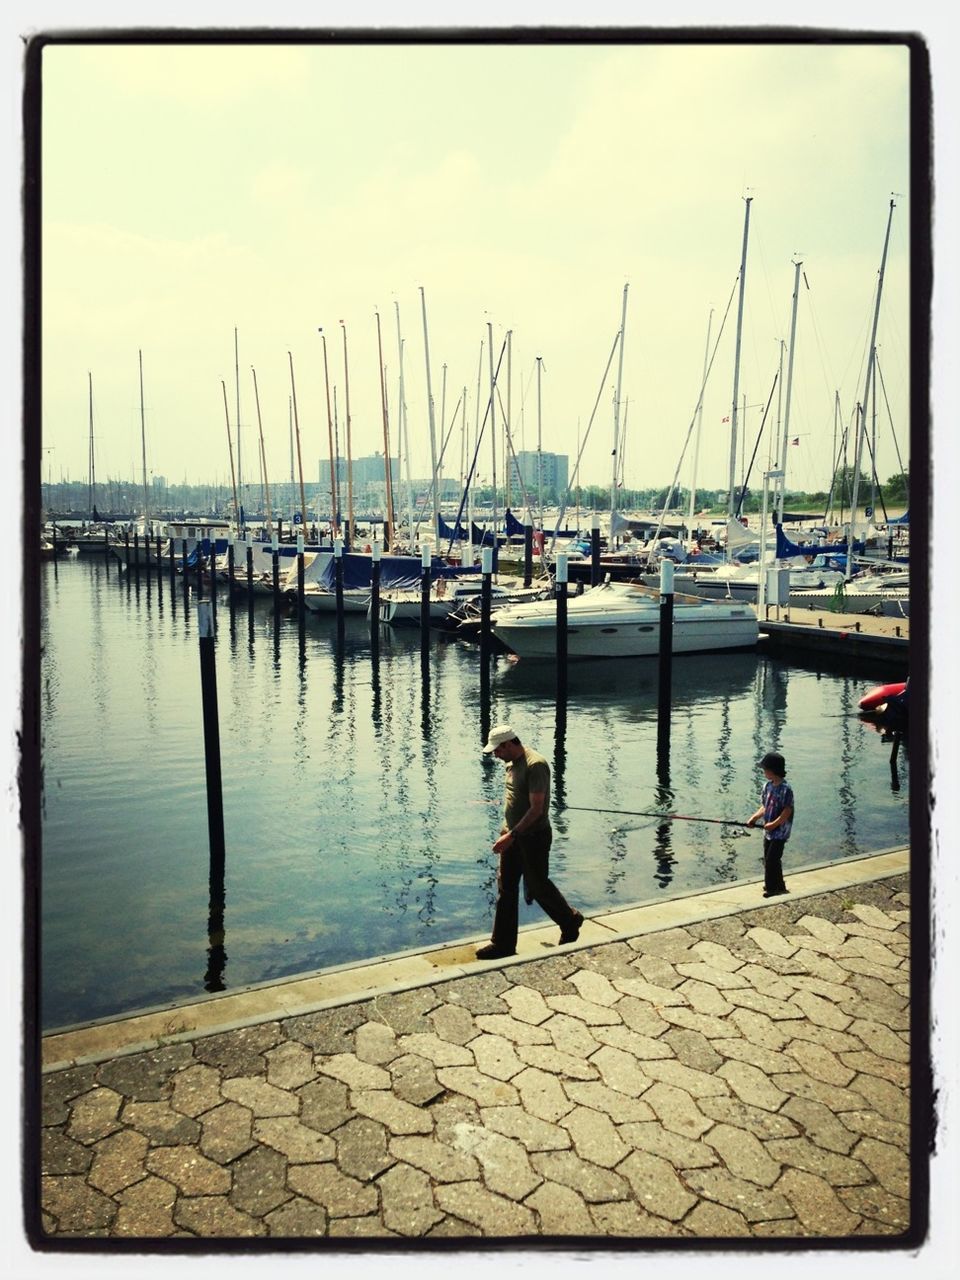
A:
389	811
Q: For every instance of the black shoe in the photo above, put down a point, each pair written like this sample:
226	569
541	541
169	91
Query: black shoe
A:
492	952
571	935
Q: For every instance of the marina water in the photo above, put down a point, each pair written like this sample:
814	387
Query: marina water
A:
359	809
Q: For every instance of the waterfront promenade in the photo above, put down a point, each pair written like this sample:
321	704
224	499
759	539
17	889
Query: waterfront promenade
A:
715	1066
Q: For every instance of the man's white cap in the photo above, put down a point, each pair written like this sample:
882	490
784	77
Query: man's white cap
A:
499	734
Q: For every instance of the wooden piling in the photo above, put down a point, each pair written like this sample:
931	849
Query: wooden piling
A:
665	667
275	557
375	595
560	584
338	580
425	560
595	550
527	554
301	609
211	733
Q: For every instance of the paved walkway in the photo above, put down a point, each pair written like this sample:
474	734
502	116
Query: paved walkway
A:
743	1074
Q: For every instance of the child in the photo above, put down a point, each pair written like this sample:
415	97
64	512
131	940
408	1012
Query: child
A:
776	812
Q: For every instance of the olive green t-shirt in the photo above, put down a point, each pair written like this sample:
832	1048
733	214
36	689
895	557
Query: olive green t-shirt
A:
529	772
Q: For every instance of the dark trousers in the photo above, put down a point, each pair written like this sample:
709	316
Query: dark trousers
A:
528	857
773	866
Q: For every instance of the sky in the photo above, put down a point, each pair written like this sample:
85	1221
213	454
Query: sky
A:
188	192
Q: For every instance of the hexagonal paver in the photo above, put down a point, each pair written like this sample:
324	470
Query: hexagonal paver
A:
889	1165
215	1216
259	1182
75	1206
682	1153
60	1155
656	1185
594	1184
744	1155
289	1065
297	1218
407	1201
196	1089
816	1204
352	1072
594	987
752	1086
496	1056
527	1004
762	1124
146	1209
494	1215
453	1023
438	1159
341	1196
118	1162
324	1104
160	1123
188	1170
677	1111
755	1203
820	1063
800	1153
562	1212
327	1031
567	1066
534	1133
397	1115
619	1070
376	1043
484	1090
442	1053
620	1107
362	1148
94	1115
240	1052
513	1029
227	1132
820	1124
298	1142
504	1161
594	1137
717	1221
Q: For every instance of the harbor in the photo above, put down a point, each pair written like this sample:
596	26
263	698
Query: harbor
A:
474	780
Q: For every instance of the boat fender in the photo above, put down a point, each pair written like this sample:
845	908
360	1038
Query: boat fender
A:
874	698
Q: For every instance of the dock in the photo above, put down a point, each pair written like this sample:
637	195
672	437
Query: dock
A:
848	635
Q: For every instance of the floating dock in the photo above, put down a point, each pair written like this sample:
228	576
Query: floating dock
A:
848	635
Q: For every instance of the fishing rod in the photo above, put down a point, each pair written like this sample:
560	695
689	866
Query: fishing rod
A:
669	817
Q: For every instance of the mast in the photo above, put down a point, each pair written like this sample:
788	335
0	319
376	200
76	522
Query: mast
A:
233	478
782	481
433	431
404	432
263	454
731	502
861	426
443	429
290	425
236	367
493	437
696	443
346	381
334	489
296	427
388	478
539	447
616	415
91	473
509	424
143	443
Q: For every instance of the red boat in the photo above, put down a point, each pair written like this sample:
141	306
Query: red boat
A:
874	699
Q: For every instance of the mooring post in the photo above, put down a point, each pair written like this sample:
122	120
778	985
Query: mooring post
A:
199	552
527	554
561	592
126	545
595	550
184	572
425	559
279	529
249	542
486	609
338	580
275	556
136	553
665	670
159	559
375	553
211	732
300	579
231	565
172	555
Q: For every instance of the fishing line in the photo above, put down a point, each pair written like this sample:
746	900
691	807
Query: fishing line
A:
666	817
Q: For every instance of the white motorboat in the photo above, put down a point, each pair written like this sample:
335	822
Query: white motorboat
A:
622	620
402	607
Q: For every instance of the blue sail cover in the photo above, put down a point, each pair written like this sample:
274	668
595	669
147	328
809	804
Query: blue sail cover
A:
786	548
482	537
904	519
399	572
444	531
513	526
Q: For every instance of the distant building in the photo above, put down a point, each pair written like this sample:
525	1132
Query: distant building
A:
535	471
365	470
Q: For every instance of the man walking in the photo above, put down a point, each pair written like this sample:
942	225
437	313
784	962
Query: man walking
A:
523	847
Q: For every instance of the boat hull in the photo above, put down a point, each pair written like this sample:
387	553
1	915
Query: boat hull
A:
609	623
